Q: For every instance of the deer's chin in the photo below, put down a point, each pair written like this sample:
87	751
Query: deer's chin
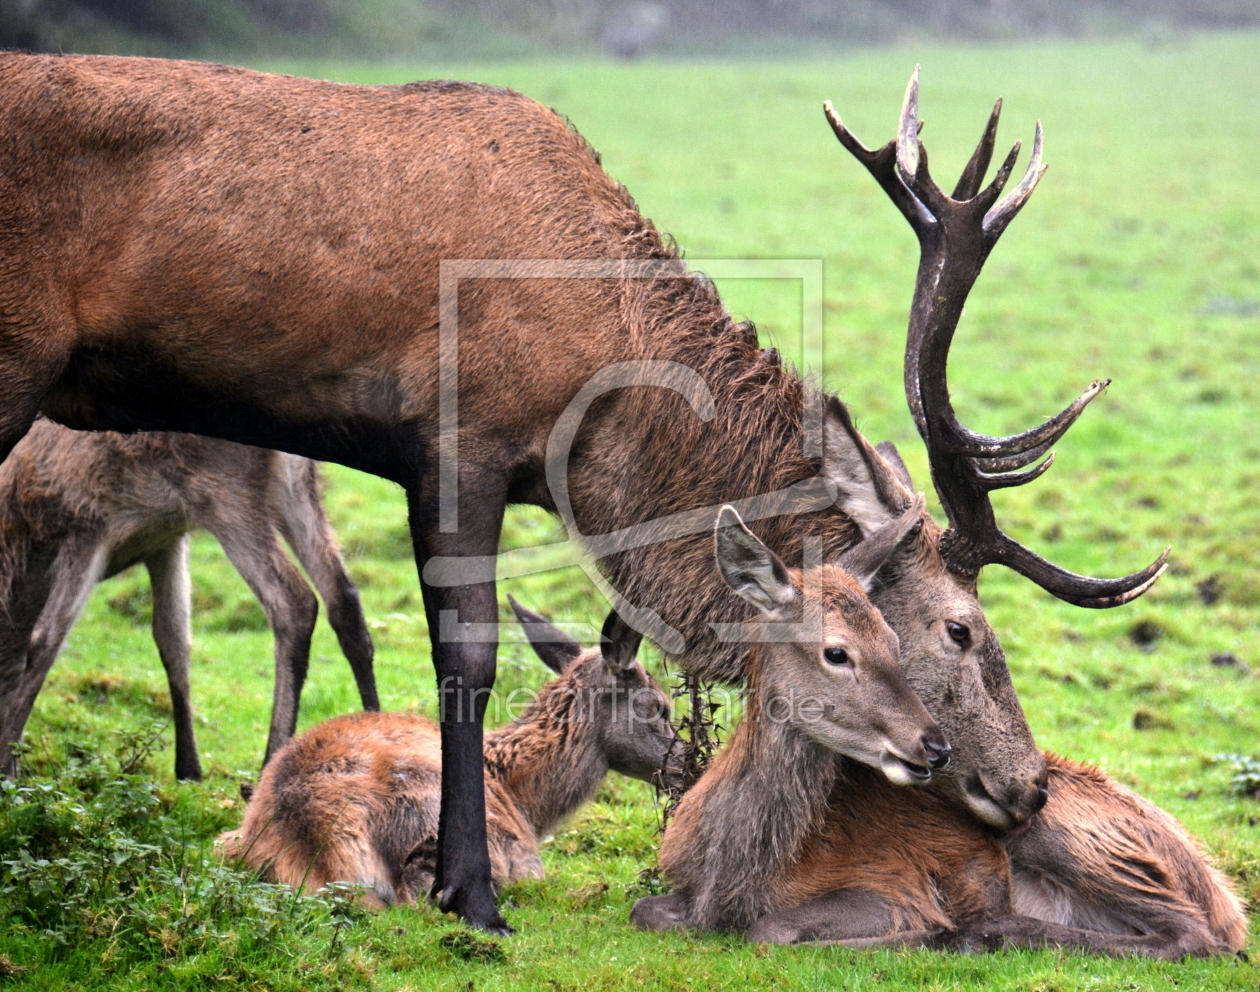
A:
985	807
901	772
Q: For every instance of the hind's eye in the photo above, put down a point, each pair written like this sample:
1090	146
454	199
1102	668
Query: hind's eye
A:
958	633
836	656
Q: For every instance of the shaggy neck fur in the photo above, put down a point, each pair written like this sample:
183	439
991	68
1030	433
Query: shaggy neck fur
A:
550	759
644	454
747	818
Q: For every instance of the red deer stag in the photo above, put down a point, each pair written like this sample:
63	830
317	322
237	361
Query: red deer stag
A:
1099	869
257	258
76	508
356	799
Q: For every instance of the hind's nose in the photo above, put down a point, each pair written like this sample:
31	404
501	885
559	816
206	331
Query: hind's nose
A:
937	752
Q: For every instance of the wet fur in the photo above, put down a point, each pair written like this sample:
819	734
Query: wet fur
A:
76	508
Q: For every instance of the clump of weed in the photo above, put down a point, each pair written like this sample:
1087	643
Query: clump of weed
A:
469	946
1246	778
102	866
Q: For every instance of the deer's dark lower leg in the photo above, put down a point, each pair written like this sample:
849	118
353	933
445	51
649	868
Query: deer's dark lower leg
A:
465	667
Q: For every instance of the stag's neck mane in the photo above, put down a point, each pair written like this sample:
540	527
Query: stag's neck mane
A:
644	454
749	815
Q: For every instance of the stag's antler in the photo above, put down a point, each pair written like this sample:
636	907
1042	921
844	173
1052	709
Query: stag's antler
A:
956	234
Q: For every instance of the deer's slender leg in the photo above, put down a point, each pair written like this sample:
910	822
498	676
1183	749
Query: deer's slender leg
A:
172	631
853	914
1026	932
253	547
465	674
69	577
28	589
306	528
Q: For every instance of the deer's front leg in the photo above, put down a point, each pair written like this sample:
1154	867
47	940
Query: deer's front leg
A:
671	911
852	914
464	658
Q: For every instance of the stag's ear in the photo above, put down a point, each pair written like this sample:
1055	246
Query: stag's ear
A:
556	648
893	457
871	493
863	561
618	643
748	566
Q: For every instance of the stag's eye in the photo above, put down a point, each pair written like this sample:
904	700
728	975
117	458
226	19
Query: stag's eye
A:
836	656
958	633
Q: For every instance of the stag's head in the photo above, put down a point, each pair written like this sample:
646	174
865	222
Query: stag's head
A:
824	661
927	589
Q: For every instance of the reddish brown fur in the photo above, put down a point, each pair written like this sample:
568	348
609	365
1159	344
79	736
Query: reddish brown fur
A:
1106	870
356	799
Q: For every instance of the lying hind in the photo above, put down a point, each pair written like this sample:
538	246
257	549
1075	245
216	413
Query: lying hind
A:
356	799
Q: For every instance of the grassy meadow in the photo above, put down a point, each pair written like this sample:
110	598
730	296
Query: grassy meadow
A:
1137	259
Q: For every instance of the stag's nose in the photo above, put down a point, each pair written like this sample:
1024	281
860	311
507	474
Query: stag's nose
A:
937	752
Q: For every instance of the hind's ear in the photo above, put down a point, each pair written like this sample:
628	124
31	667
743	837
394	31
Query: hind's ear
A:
893	457
618	643
751	569
556	648
871	490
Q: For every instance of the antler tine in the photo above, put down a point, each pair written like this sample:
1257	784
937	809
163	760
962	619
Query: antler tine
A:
1012	462
973	175
1080	590
996	220
881	163
956	235
1042	436
908	128
1008	480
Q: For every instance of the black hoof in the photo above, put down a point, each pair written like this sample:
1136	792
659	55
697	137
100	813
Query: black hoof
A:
476	906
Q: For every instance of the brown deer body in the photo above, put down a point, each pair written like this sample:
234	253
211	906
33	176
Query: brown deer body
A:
1100	869
356	799
1123	877
257	258
77	508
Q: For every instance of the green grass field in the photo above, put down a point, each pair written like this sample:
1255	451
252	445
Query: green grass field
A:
1138	259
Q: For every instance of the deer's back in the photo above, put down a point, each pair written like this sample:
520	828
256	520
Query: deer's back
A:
357	799
279	237
1103	857
140	492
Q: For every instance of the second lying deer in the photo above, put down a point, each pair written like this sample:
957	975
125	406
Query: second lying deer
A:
356	799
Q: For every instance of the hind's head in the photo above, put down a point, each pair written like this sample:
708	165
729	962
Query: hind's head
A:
824	661
608	688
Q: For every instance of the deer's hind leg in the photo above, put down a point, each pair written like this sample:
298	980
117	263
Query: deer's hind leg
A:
59	583
172	631
1014	931
301	519
851	916
253	547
